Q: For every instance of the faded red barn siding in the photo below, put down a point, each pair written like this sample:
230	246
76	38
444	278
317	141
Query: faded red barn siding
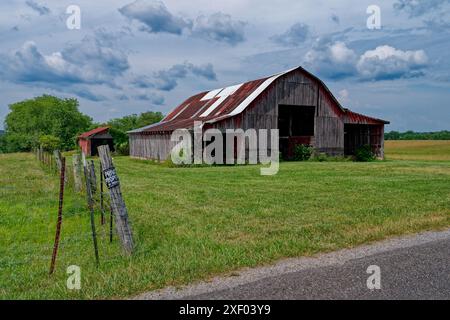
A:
85	146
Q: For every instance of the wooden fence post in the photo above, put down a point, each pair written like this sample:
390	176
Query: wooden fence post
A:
50	165
59	221
102	204
57	156
91	209
40	153
93	177
117	202
76	161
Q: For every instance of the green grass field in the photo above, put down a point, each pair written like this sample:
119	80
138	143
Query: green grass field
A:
193	223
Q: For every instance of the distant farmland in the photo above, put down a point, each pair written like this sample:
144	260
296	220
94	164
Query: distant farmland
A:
438	150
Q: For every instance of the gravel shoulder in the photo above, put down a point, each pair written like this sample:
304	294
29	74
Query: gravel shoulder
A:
412	267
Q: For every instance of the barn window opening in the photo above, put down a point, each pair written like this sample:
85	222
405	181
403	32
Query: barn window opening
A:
296	121
296	126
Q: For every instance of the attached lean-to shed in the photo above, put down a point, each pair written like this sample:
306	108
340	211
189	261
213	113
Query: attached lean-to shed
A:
295	102
89	141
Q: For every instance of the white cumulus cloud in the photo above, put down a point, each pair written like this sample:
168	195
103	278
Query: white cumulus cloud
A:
386	62
331	59
335	60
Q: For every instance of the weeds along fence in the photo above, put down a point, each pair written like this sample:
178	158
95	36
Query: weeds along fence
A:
76	222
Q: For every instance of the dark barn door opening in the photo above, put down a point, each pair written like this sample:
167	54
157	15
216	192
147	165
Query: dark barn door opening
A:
95	143
296	125
355	136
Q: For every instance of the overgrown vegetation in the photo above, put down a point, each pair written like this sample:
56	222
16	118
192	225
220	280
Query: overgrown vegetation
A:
364	154
411	135
302	152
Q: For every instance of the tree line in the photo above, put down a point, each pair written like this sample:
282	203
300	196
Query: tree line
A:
55	123
411	135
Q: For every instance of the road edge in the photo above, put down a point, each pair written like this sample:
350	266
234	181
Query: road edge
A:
285	266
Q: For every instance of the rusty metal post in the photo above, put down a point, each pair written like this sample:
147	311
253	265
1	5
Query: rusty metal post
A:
59	221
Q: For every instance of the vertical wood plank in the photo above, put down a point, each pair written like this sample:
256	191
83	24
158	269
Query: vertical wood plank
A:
76	161
117	203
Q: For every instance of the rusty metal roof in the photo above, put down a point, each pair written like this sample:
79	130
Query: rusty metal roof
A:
92	132
351	117
216	105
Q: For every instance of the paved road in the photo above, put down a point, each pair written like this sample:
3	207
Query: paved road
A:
415	267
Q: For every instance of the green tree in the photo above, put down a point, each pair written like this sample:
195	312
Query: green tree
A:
49	143
411	135
120	126
28	120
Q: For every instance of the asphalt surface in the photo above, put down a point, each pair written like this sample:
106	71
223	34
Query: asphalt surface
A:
416	267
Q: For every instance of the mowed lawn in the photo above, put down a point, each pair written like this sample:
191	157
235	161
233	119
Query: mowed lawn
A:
193	223
418	149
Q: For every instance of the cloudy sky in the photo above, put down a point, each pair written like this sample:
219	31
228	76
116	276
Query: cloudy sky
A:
134	56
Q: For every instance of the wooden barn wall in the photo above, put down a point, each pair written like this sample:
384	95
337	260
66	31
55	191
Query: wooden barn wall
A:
154	146
329	127
377	140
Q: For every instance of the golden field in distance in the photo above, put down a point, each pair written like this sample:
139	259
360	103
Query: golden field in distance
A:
437	150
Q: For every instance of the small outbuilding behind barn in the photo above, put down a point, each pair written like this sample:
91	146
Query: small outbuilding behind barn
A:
91	140
295	101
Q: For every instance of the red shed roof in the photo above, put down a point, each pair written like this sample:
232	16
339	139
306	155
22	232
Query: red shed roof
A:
92	132
351	117
216	105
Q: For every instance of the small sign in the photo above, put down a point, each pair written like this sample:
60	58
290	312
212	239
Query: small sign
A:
111	178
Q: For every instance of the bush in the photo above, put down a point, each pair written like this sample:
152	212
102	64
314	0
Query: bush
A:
49	143
302	152
364	154
123	149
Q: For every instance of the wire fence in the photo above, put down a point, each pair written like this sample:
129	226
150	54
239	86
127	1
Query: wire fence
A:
88	235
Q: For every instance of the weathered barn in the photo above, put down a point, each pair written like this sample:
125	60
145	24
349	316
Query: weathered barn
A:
89	141
295	102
